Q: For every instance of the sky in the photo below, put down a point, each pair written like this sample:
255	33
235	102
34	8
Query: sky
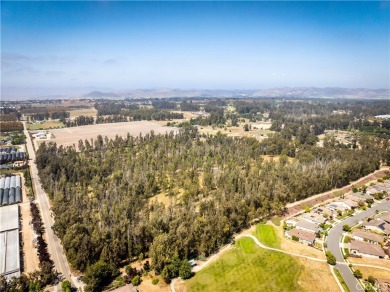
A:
62	47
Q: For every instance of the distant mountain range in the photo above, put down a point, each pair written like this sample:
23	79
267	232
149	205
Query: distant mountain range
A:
287	92
98	94
277	92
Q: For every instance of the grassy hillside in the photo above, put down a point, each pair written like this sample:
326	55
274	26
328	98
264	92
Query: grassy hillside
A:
247	267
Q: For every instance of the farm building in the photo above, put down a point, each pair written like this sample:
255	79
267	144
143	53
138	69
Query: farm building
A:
10	190
9	242
11	154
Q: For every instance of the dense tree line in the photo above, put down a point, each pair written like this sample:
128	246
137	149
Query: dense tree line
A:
11	126
103	195
39	116
143	114
80	121
164	104
112	107
111	119
12	117
61	115
189	106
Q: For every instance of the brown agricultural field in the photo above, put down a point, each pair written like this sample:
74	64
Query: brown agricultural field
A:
70	136
88	112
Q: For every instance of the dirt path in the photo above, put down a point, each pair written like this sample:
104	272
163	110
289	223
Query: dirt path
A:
298	206
30	257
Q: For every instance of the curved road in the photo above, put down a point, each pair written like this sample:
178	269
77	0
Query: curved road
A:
335	235
53	242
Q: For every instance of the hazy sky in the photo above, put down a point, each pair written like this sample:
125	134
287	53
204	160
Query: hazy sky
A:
51	46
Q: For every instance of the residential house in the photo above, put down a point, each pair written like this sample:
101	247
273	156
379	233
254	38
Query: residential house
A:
359	196
376	189
363	235
303	236
324	210
313	217
384	217
367	249
337	207
383	284
343	205
307	226
291	222
377	226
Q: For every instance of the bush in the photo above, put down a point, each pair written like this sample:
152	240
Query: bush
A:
136	281
346	227
155	281
330	258
371	280
66	286
358	274
98	275
295	238
165	275
185	270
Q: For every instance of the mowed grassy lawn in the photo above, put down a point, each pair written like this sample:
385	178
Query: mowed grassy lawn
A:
248	267
45	125
267	235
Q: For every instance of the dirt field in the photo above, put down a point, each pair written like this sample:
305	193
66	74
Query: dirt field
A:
88	112
296	247
376	273
316	276
70	136
370	261
30	258
236	132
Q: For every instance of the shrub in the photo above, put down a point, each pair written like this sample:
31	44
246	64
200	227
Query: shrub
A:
295	238
330	258
136	281
66	286
185	270
346	227
155	281
358	274
371	280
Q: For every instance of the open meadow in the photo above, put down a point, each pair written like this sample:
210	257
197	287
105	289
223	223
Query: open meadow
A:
87	112
247	267
45	125
70	136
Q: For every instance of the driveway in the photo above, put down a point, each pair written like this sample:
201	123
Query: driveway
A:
335	235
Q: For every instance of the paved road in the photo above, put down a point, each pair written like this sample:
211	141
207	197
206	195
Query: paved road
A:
54	244
334	237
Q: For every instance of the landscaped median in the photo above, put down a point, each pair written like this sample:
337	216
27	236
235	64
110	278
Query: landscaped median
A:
341	280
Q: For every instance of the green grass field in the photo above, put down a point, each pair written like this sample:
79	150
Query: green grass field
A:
276	220
247	267
266	234
45	125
